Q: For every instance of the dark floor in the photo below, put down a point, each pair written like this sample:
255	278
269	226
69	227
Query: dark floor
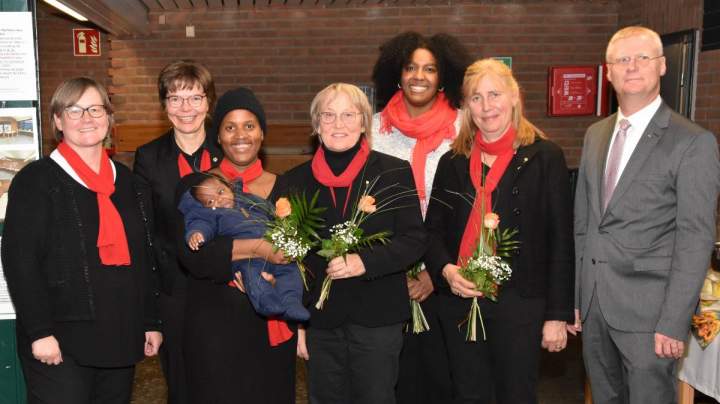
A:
561	380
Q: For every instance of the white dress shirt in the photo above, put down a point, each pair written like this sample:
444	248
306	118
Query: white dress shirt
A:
638	123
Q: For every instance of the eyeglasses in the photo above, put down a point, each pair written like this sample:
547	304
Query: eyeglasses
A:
76	112
640	60
348	118
177	101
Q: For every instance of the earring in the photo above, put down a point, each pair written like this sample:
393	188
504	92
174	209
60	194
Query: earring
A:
399	86
441	89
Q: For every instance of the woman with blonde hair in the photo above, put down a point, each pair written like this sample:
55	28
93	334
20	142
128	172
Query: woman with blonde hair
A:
505	165
354	341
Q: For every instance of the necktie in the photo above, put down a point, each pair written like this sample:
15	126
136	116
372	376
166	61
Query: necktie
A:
612	172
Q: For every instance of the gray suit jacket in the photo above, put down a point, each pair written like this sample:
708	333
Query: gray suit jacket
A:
646	256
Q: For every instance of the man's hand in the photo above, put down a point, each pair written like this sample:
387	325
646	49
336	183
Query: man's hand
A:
577	327
666	347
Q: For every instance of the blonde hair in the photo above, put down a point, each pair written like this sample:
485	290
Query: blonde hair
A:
632	31
69	92
357	98
526	131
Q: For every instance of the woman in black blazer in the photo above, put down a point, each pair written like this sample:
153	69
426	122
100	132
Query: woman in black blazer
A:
354	341
187	94
532	195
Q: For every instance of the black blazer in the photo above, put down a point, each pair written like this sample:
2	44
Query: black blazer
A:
156	171
533	196
379	297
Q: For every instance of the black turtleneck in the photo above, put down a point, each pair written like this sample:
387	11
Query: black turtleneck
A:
338	161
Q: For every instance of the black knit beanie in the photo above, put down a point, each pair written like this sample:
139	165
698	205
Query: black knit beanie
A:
239	98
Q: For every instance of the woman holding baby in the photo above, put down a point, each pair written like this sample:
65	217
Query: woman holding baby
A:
231	352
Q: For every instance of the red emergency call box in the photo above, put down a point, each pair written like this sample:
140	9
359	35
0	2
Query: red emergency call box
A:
86	42
572	90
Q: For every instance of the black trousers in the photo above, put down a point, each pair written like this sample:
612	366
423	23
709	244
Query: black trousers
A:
507	363
424	371
353	364
172	314
71	383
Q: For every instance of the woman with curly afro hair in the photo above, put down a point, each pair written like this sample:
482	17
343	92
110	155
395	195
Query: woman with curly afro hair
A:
418	82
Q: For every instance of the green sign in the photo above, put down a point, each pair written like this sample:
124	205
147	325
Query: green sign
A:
505	59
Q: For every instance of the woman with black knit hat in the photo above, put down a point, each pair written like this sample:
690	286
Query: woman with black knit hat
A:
233	354
418	81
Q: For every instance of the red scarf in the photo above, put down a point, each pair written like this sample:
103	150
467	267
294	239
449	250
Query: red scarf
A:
250	174
429	130
111	242
184	167
503	150
322	172
278	331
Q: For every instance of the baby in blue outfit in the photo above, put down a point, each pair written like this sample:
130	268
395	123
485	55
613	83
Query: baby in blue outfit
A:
213	209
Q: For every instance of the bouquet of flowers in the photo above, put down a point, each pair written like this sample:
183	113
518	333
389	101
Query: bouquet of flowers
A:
705	327
419	322
348	237
294	228
487	269
706	324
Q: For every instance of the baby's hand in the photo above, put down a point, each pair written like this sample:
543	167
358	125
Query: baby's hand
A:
195	241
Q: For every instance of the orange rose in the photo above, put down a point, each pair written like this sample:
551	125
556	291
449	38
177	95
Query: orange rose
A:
282	208
367	204
491	220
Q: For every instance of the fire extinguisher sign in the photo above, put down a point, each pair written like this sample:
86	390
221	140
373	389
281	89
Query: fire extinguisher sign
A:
86	42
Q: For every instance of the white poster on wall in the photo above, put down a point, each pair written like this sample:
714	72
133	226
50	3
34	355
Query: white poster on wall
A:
18	146
17	57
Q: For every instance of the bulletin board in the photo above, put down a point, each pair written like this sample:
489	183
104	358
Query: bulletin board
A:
20	143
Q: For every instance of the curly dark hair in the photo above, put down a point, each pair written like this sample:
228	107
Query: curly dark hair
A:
451	55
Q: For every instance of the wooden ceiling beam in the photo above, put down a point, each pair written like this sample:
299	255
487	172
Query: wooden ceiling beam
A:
118	17
186	4
152	5
168	5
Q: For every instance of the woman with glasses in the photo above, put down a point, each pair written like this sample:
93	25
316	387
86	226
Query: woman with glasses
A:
77	262
187	94
353	343
501	163
418	81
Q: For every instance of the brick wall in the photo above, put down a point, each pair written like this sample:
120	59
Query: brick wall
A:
707	107
287	53
57	63
666	16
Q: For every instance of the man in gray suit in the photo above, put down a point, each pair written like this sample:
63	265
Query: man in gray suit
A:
644	229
